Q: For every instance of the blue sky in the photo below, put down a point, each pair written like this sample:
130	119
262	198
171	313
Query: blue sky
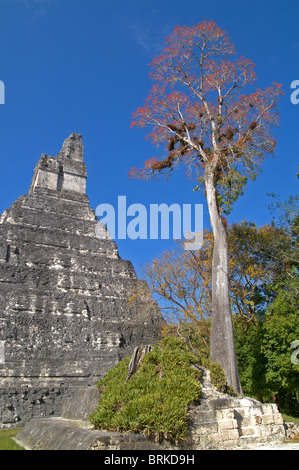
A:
82	66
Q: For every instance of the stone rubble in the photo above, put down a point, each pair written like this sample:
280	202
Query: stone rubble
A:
224	421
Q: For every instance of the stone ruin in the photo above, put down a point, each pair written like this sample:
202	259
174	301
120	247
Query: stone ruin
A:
66	312
67	316
219	422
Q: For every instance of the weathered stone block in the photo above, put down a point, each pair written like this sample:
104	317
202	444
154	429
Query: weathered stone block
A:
205	441
202	417
268	419
224	414
269	408
278	430
221	403
250	421
205	428
248	431
229	435
65	434
227	424
278	418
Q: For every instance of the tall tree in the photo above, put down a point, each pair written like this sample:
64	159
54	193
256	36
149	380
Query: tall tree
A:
197	111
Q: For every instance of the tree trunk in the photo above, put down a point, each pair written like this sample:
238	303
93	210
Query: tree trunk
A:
222	345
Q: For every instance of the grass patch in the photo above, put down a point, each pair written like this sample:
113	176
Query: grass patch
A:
6	442
155	400
290	419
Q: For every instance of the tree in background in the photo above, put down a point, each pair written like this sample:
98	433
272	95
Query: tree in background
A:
255	265
265	353
181	282
280	331
281	326
181	279
197	110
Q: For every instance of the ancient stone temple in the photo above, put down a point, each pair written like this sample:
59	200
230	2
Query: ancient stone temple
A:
67	313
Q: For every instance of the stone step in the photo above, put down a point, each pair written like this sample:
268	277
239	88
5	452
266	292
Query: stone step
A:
69	434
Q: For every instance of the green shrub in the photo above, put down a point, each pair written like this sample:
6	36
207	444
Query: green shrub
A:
217	376
156	398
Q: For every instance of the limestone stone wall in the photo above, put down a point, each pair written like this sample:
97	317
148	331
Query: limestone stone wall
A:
229	422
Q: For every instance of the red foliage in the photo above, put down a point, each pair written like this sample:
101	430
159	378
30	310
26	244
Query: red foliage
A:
195	108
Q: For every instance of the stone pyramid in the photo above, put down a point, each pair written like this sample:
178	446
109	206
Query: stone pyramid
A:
67	313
